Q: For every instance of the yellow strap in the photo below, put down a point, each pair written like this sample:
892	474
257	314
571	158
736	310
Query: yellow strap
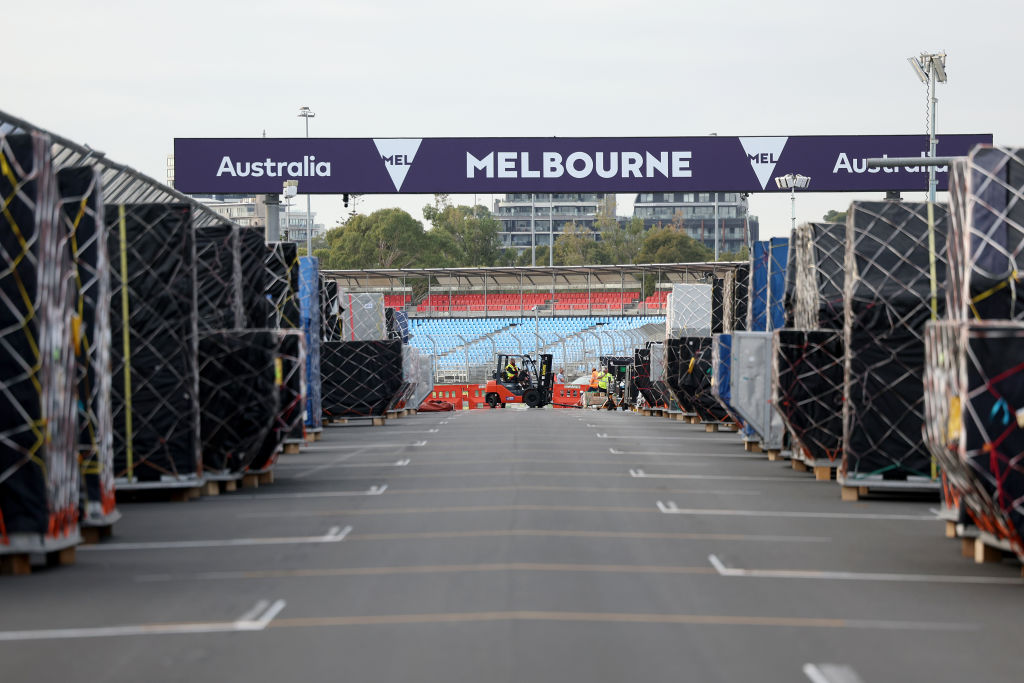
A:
126	339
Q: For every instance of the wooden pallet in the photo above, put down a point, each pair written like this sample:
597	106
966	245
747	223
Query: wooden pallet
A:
92	535
774	454
853	490
16	558
752	446
291	449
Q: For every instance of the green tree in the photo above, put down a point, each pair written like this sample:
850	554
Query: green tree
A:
463	236
672	245
621	244
742	255
834	216
576	246
525	258
388	238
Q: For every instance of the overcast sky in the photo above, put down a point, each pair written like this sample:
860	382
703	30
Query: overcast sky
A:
129	77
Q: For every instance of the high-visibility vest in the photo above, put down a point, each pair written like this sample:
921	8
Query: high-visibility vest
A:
603	382
594	379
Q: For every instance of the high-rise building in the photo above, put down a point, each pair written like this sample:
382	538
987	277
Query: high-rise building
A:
547	215
695	212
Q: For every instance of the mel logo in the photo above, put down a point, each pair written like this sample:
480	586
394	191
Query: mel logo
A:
397	155
763	154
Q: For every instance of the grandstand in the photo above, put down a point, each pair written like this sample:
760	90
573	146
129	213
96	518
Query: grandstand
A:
464	348
464	316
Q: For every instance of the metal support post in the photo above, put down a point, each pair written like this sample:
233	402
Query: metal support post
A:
273	231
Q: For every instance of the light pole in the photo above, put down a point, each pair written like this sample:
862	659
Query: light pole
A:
307	113
790	182
931	69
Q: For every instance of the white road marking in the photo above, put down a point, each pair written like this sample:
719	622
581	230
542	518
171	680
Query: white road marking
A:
372	491
417	444
859	576
255	619
670	508
333	535
741	456
831	673
680	438
640	473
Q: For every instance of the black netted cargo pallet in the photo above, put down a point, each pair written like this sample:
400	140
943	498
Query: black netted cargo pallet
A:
886	306
39	475
807	382
360	379
239	397
81	206
155	390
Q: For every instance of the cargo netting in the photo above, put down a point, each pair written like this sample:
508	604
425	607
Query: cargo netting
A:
976	422
281	285
721	364
718	310
330	310
360	378
986	238
309	302
218	278
688	375
363	317
292	403
155	390
688	311
886	306
645	385
39	471
820	257
252	256
735	286
239	397
82	213
807	389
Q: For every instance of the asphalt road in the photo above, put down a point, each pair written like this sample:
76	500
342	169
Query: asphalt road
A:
520	546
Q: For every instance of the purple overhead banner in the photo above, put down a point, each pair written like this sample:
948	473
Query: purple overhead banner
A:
835	163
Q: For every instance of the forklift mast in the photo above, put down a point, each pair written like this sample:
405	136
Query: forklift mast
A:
545	379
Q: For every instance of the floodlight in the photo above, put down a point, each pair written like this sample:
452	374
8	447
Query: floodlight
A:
939	67
918	69
306	112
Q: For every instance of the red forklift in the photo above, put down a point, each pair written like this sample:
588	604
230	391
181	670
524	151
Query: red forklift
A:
532	386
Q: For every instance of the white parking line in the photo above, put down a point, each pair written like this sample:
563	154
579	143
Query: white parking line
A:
333	535
831	673
670	508
255	619
640	473
723	570
372	491
327	447
741	456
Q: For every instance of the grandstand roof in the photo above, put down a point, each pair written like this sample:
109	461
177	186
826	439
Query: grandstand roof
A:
535	275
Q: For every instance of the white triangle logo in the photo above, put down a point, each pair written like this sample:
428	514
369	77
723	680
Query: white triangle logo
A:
763	154
398	154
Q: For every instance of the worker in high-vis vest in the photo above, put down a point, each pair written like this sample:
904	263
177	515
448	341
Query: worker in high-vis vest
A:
602	382
595	377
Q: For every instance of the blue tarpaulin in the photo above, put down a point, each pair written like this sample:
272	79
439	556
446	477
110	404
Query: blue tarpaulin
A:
768	284
309	300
